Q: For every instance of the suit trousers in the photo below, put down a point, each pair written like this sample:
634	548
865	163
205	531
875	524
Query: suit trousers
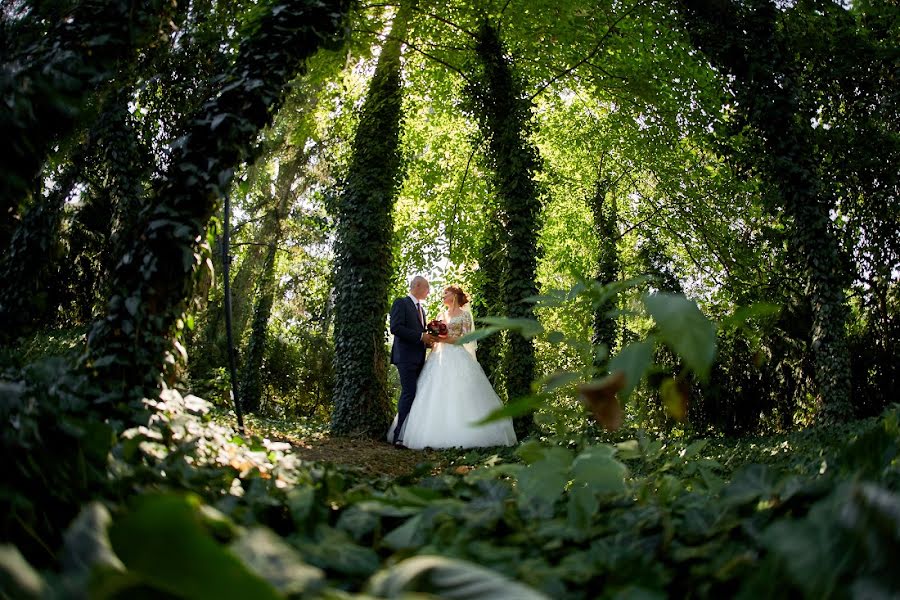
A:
409	378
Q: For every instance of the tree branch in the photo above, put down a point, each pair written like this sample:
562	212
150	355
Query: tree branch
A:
590	55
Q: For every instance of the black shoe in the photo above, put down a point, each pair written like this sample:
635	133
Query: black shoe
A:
400	446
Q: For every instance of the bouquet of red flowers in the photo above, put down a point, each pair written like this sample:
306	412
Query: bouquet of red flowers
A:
437	327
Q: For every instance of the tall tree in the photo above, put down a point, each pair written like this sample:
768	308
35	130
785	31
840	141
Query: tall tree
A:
605	212
745	40
504	112
129	348
363	250
251	381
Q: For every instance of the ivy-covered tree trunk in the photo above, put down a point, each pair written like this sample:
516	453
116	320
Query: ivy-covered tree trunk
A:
251	381
363	252
488	300
605	213
505	115
250	378
46	86
129	348
746	42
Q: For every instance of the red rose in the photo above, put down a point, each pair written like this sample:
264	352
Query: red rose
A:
437	327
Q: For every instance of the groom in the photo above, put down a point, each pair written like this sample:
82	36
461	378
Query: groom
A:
410	339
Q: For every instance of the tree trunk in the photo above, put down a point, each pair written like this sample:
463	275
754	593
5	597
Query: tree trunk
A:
746	43
363	253
603	207
131	346
505	115
488	300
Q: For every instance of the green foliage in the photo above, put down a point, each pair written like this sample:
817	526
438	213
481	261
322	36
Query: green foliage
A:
505	117
664	517
755	47
46	90
130	347
679	326
364	212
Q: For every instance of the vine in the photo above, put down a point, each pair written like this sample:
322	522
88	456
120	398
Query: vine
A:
748	44
130	347
504	113
363	251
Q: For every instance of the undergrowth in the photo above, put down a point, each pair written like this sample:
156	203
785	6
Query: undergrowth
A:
190	509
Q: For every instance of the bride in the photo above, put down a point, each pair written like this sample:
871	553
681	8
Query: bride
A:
453	392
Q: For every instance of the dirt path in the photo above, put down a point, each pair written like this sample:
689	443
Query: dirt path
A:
375	458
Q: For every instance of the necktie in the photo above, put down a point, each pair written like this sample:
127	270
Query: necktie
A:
421	314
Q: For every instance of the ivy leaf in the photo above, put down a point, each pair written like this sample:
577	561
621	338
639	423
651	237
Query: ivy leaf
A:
749	484
633	360
270	557
86	543
442	577
407	536
542	482
162	534
685	329
132	303
596	468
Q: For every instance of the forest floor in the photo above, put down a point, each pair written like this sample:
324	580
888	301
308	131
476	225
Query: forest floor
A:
372	457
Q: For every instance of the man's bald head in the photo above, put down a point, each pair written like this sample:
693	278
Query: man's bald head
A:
419	287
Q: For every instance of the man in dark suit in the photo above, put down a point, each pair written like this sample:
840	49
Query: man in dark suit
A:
410	340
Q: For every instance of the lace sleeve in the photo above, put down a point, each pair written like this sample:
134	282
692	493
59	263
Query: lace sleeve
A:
467	325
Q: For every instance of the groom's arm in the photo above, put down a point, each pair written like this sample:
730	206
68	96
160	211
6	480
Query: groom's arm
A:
399	326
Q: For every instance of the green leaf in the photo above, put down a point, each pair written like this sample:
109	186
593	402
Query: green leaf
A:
747	313
749	484
86	545
694	449
685	329
407	536
478	334
542	482
164	533
18	579
132	303
596	468
556	337
300	501
270	557
528	328
633	360
582	507
515	408
530	451
627	450
559	379
446	578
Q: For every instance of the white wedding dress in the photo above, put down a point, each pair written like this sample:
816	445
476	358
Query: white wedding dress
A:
452	395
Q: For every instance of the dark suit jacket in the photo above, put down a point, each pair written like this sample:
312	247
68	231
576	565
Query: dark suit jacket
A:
407	330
